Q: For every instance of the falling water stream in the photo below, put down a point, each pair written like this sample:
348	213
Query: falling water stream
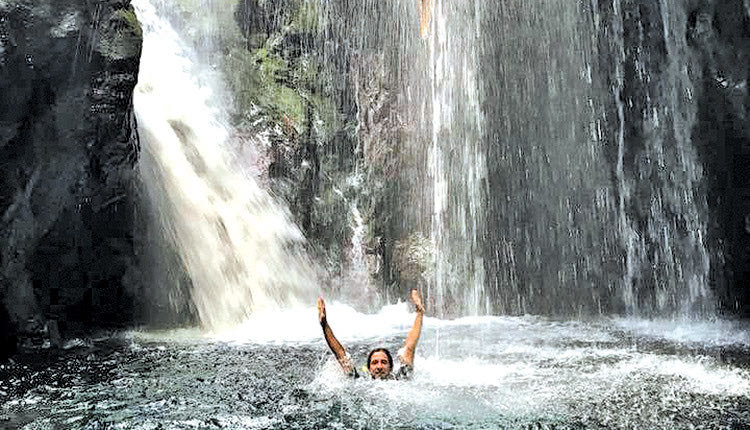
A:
238	246
564	175
532	208
456	158
662	216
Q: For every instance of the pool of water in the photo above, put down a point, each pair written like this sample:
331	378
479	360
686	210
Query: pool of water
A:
487	372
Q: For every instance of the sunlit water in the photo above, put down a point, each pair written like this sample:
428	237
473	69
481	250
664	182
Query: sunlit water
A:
481	372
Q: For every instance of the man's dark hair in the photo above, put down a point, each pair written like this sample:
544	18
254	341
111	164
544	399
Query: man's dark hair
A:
387	354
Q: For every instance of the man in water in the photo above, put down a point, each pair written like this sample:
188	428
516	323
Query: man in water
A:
379	361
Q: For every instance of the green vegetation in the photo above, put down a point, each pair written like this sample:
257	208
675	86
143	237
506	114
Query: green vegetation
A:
257	81
306	18
122	37
128	16
283	87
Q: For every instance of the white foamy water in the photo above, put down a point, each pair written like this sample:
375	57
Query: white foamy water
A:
715	333
301	325
478	372
697	375
241	251
509	362
489	367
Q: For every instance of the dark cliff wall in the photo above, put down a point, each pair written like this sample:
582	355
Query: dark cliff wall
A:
67	151
719	34
678	71
716	35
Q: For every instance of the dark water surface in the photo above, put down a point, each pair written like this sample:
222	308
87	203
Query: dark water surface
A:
476	373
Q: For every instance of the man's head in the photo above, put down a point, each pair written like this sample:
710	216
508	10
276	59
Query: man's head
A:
380	363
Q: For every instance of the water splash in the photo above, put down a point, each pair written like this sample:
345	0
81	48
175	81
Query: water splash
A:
238	246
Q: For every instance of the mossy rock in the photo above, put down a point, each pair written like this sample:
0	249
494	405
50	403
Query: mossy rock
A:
256	78
129	17
306	18
122	37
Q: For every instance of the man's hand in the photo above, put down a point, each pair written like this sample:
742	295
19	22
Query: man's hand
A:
410	345
321	310
416	299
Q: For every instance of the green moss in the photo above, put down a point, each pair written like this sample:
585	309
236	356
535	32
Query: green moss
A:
287	101
306	17
326	115
122	37
258	79
128	16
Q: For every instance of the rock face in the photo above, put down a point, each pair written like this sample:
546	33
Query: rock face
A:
67	151
328	97
297	76
667	86
719	34
714	42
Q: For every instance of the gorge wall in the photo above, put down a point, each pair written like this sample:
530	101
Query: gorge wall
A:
613	135
67	151
694	53
333	146
719	34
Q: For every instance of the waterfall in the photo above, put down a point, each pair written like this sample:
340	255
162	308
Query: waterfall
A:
547	153
539	154
238	246
596	191
456	159
662	215
552	248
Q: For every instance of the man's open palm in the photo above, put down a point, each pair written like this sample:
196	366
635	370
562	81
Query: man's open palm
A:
321	310
416	299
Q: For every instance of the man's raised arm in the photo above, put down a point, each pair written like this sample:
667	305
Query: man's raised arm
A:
333	343
407	357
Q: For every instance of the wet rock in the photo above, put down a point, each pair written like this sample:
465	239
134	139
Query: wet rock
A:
54	334
8	338
719	34
333	131
413	257
67	152
121	40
